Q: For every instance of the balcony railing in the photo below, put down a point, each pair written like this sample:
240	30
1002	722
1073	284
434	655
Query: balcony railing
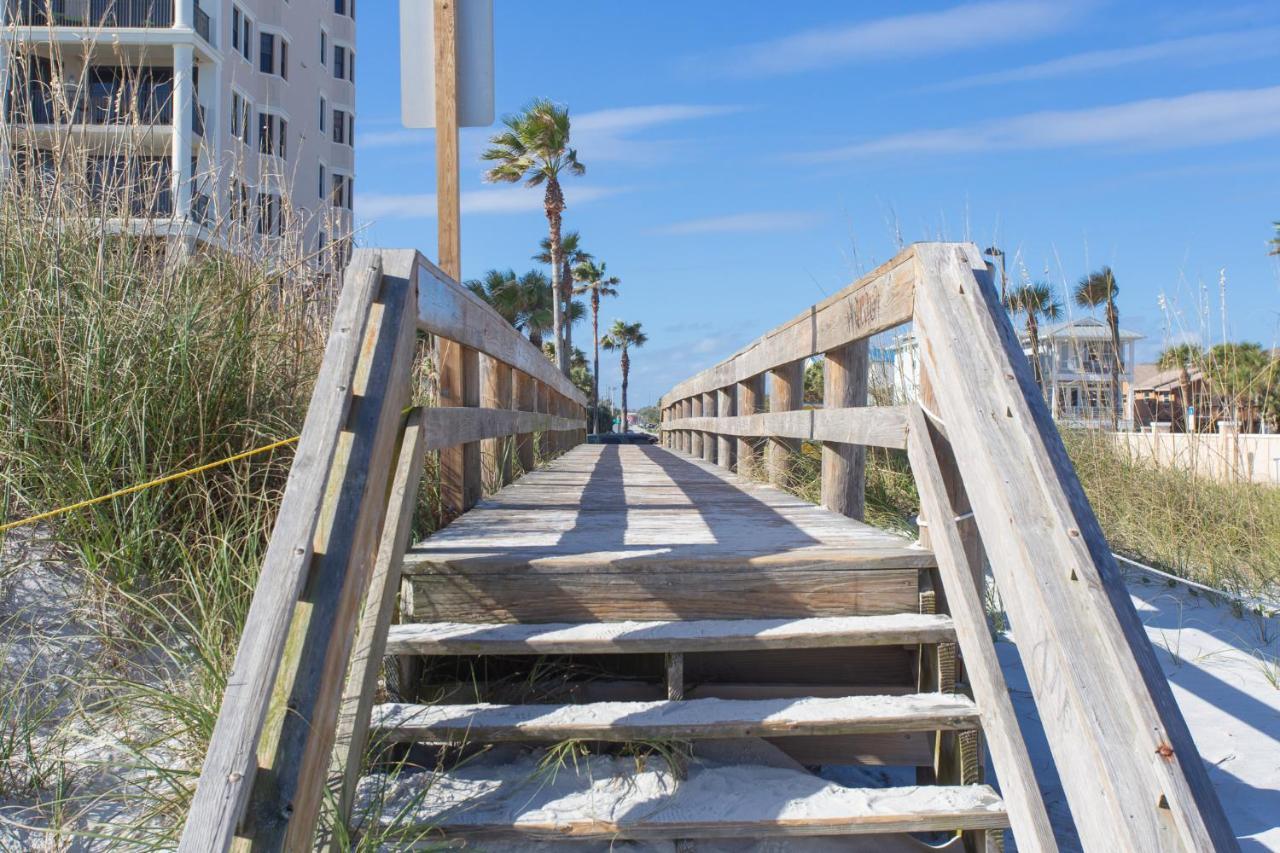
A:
204	27
197	118
91	13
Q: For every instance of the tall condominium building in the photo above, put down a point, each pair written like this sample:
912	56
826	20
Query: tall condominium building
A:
220	121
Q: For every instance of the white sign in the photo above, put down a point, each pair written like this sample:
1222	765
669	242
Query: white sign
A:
475	63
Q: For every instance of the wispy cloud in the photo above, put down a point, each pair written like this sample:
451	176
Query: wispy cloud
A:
1200	50
961	28
741	223
1202	118
502	200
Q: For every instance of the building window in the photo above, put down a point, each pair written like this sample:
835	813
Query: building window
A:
323	182
273	57
324	48
324	112
351	129
273	134
340	7
351	192
235	28
339	62
241	117
340	126
339	191
282	138
351	65
241	33
269	219
284	59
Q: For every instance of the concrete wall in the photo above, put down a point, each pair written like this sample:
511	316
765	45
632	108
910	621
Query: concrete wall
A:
1224	457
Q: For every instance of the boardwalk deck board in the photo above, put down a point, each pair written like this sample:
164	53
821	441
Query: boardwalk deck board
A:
614	532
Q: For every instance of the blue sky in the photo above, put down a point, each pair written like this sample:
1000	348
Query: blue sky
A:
743	162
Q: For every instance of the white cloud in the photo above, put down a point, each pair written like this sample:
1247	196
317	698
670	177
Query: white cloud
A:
970	27
502	200
1202	118
396	138
739	223
628	119
1218	47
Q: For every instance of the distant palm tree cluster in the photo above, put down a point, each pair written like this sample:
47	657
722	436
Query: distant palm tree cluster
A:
534	148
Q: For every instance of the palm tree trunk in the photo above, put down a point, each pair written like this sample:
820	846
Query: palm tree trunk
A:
1033	332
626	370
1113	320
595	362
566	296
554	205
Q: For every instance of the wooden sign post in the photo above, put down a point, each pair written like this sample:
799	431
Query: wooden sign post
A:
446	97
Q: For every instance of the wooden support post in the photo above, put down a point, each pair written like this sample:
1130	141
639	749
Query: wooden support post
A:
726	406
379	602
786	393
544	438
844	466
526	392
709	439
446	102
460	475
750	401
695	437
497	452
686	437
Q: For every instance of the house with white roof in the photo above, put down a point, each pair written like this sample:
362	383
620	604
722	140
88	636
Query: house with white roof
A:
1075	366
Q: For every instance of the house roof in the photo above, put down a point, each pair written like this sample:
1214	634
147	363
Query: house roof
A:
1086	329
1162	380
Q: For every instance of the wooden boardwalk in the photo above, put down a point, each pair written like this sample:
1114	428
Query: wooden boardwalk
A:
617	532
694	650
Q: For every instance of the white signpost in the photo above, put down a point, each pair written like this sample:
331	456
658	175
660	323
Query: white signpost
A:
474	63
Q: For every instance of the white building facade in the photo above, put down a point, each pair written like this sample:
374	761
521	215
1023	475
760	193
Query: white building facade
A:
1075	369
215	120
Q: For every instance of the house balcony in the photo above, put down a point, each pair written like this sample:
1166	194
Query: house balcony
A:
109	14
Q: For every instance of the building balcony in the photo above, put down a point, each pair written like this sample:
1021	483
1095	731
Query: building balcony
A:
91	13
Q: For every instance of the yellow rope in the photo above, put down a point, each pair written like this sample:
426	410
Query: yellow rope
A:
140	486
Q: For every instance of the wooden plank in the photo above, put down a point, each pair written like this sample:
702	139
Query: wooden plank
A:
844	464
786	392
375	617
526	402
678	720
726	407
872	426
459	385
1130	769
228	770
448	310
496	452
750	401
296	745
874	303
716	635
1017	778
451	427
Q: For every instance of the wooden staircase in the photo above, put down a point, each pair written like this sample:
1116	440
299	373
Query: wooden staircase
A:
639	645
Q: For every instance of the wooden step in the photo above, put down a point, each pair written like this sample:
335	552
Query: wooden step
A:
703	635
599	797
690	719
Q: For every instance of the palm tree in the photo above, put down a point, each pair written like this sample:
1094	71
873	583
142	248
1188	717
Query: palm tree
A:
1099	288
594	280
535	148
622	336
1034	301
533	301
501	290
571	254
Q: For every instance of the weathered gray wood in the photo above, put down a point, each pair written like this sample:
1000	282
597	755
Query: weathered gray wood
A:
678	720
726	407
710	409
526	392
228	771
712	804
1000	723
544	438
460	638
786	392
375	617
496	452
296	745
450	311
459	385
874	303
674	665
871	426
451	427
844	465
1131	772
696	437
750	401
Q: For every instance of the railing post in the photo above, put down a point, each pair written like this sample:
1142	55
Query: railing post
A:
750	400
844	465
695	437
495	393
709	410
460	485
726	406
526	401
786	393
544	407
